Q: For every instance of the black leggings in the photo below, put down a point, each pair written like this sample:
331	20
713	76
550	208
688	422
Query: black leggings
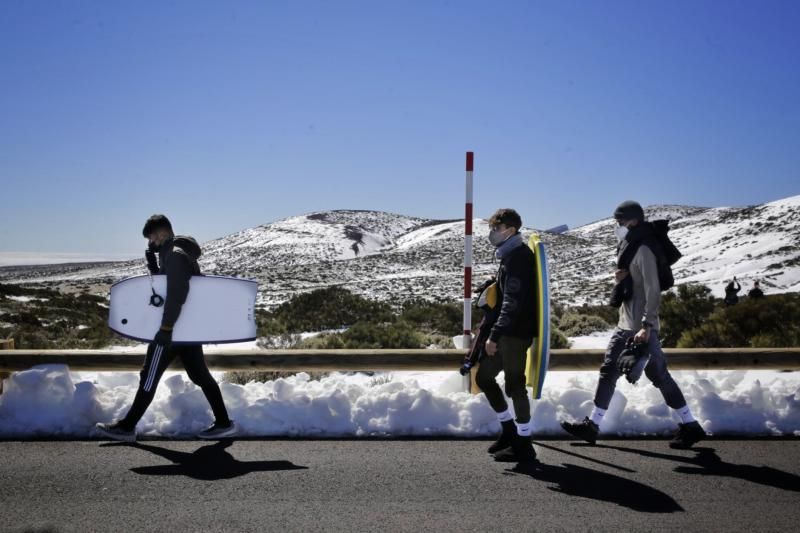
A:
156	362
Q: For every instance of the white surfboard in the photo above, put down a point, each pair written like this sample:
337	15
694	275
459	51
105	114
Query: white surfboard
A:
217	310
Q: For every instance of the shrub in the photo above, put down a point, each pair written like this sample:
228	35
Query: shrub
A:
574	324
608	314
683	310
370	335
558	339
442	318
770	322
328	308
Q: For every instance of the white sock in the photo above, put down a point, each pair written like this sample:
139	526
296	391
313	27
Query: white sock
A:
505	416
524	430
597	415
685	413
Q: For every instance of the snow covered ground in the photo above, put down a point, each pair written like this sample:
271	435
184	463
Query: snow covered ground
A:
49	401
52	258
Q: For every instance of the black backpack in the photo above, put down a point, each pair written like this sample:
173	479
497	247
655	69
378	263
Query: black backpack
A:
667	256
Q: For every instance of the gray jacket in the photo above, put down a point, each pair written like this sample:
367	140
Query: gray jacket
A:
646	299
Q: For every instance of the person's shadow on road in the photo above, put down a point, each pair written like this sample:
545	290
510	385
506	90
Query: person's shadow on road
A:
706	462
207	463
583	482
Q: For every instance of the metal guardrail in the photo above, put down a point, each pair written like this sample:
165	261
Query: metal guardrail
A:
384	360
5	344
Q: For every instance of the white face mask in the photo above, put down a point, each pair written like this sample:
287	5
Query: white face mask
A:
497	238
620	232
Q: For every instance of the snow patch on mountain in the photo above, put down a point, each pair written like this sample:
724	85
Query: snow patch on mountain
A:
394	258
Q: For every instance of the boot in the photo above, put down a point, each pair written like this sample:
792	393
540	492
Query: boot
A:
521	451
585	429
509	430
687	436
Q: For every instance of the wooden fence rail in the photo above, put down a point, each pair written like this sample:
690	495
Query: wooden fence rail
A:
382	360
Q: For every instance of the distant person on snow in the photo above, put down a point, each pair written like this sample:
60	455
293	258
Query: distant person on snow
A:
178	260
756	291
638	322
509	339
732	292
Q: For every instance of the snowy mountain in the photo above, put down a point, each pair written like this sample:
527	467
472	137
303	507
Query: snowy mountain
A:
753	243
394	257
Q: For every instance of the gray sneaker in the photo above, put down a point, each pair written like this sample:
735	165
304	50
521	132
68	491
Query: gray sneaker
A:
116	432
218	431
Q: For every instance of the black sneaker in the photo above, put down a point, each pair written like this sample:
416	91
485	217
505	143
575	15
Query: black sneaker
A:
116	432
585	429
687	435
520	451
218	431
506	437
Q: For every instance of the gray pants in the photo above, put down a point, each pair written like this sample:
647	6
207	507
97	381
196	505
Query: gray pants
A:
511	355
656	371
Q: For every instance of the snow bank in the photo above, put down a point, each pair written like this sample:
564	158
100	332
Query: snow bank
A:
49	401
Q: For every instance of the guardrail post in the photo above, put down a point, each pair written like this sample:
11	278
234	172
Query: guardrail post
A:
5	344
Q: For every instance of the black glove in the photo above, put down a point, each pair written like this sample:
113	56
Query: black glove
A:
152	262
633	359
163	337
466	366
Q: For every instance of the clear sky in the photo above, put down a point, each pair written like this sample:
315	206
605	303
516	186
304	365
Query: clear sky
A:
227	115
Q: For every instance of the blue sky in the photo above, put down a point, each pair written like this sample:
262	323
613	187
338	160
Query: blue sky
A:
227	115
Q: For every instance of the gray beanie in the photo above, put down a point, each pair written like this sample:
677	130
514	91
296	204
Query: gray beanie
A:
629	210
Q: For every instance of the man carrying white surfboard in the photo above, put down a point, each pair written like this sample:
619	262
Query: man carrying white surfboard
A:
510	337
178	260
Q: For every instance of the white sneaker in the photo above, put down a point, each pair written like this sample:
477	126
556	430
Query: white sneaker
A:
115	432
218	432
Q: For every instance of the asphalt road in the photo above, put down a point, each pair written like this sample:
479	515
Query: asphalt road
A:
397	485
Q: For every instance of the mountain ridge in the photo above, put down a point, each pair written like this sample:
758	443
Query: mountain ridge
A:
394	257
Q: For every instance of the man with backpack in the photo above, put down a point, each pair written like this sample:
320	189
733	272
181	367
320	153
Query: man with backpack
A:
644	256
506	336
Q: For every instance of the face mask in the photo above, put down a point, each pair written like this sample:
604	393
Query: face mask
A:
621	232
496	237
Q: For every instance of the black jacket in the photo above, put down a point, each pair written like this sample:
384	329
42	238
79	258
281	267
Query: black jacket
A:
178	260
517	284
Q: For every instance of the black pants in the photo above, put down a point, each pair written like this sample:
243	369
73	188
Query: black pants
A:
511	355
156	362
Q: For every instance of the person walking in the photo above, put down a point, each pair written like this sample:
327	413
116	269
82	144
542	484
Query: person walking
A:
177	258
637	271
509	339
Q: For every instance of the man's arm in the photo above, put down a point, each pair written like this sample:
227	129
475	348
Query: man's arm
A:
646	261
517	284
179	271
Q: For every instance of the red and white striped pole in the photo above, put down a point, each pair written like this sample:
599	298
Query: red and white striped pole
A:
468	256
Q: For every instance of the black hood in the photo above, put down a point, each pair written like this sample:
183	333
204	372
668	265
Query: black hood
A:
188	245
642	233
